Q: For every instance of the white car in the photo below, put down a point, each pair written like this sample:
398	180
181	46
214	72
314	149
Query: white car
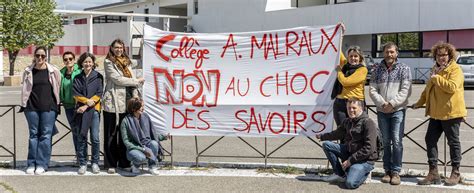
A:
467	64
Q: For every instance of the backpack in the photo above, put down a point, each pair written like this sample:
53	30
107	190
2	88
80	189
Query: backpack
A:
379	141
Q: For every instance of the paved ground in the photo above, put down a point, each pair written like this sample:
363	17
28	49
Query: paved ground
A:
65	179
184	151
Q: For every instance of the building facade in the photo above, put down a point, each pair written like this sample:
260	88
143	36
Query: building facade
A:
414	25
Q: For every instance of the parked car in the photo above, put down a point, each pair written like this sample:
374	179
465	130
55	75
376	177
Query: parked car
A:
467	65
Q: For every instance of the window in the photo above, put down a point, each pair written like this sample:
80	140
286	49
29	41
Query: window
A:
461	39
408	44
345	1
109	19
146	12
418	44
196	10
307	3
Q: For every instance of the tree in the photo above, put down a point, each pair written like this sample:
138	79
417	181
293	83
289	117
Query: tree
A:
29	22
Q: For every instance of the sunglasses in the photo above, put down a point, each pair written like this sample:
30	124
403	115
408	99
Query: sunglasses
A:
40	56
68	59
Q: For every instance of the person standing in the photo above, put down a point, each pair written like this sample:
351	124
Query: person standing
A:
351	77
444	99
40	103
68	73
121	85
87	89
390	87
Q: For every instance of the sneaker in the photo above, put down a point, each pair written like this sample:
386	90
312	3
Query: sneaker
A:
395	179
39	170
111	171
135	169
82	170
334	178
387	177
30	170
153	170
95	168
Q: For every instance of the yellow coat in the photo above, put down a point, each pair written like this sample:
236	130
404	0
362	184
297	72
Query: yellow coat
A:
444	94
353	85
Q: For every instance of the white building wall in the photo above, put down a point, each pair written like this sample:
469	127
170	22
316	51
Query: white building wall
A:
362	19
104	34
370	16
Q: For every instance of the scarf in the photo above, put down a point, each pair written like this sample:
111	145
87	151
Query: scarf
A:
347	70
135	126
438	68
86	87
122	64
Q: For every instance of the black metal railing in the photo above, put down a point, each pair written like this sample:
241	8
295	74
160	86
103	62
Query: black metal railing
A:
10	153
264	154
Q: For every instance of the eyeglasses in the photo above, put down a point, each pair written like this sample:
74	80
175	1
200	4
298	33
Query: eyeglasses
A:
68	59
441	55
40	56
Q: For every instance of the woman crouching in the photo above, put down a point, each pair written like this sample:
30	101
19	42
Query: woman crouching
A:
139	137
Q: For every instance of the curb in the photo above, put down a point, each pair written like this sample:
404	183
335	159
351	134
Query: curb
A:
468	178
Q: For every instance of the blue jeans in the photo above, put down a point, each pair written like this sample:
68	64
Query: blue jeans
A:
40	125
74	132
392	126
137	157
356	174
94	137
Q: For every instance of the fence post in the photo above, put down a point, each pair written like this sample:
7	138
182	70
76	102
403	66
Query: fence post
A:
172	163
197	151
14	138
266	155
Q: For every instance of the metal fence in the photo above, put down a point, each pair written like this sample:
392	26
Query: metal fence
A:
264	154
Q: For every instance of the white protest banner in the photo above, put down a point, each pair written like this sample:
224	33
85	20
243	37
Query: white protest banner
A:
267	83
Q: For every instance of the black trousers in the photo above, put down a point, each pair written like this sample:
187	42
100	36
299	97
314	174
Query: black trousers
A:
451	130
340	110
114	148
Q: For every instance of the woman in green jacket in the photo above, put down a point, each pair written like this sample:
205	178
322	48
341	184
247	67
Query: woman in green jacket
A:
68	73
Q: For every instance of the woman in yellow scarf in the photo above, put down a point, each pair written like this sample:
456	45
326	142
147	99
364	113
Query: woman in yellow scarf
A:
121	84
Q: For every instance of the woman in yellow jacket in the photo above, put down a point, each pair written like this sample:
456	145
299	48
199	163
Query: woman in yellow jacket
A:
444	99
351	77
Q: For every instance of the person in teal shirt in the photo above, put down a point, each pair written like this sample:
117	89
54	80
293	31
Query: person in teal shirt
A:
68	73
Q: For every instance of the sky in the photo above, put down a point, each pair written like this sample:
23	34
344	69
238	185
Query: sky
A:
81	4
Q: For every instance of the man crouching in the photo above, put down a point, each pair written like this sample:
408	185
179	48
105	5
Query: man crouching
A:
359	151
